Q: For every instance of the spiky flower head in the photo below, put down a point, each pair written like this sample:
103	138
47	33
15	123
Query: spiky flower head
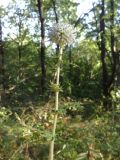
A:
62	34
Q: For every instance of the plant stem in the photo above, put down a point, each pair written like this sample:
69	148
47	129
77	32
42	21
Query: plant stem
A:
51	149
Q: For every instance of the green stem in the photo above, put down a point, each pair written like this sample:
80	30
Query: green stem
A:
51	149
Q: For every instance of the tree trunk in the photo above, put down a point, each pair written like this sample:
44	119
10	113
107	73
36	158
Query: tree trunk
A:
19	61
113	51
2	71
56	19
42	50
19	43
55	12
118	69
106	93
108	80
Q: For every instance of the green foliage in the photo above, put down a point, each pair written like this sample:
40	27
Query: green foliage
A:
82	77
116	98
26	135
26	119
54	87
20	135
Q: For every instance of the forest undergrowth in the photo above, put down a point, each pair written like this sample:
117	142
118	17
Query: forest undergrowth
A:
84	132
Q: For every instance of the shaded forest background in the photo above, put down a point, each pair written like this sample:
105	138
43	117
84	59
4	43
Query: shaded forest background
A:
89	80
90	67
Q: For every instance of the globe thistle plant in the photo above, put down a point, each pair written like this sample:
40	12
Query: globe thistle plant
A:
61	34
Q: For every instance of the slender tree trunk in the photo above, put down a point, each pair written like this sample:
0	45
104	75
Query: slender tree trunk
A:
19	61
56	19
113	51
2	71
108	80
70	69
55	11
103	57
42	50
19	44
51	148
70	61
118	69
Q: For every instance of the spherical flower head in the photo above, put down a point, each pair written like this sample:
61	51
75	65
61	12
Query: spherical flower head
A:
62	34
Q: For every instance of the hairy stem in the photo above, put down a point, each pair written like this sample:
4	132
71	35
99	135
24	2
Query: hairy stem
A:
51	149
